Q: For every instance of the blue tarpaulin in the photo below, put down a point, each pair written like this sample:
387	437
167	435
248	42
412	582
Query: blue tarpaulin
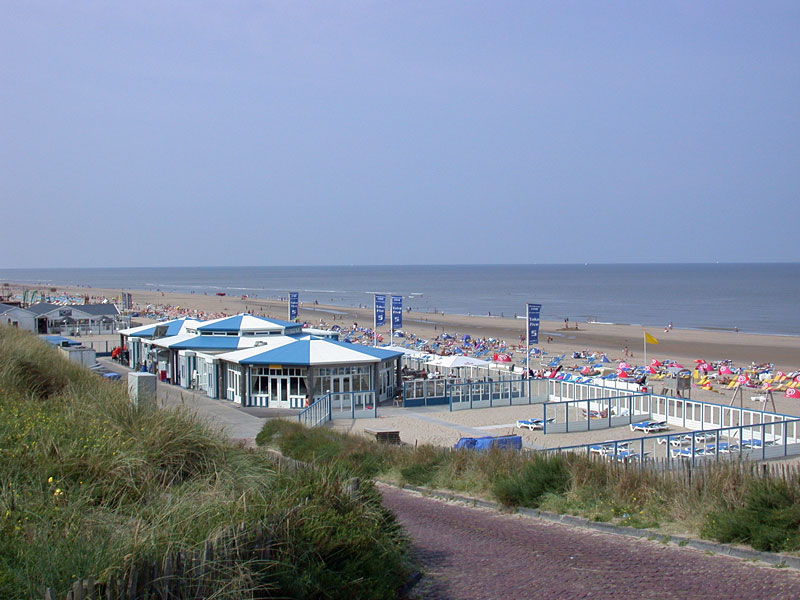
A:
506	442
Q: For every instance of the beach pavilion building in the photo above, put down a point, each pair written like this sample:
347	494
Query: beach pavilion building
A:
282	374
255	361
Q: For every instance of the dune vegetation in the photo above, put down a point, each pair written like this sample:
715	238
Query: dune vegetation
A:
91	485
727	501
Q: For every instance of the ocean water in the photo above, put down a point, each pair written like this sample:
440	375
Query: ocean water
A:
755	298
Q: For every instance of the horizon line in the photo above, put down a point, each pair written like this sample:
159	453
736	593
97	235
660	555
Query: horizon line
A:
537	264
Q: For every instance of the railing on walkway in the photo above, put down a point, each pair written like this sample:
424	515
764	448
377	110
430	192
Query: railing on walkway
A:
340	405
318	413
759	442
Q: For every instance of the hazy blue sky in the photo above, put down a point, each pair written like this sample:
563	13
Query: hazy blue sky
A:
265	133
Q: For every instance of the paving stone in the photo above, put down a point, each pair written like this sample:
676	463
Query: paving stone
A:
477	553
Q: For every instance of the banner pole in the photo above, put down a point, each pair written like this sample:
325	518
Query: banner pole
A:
528	340
375	320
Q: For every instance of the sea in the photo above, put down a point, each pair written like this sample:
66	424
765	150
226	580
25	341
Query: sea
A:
750	298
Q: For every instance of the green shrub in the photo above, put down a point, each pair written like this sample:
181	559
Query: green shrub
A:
355	455
542	474
769	519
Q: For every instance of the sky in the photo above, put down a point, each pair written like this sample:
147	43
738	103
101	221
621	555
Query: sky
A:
306	133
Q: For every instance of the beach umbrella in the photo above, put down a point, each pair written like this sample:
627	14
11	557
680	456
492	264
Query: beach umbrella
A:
791	393
655	363
725	370
624	365
651	370
705	367
586	370
742	379
465	337
604	359
699	360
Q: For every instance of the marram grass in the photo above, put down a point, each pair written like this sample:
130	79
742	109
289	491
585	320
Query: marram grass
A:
88	481
727	501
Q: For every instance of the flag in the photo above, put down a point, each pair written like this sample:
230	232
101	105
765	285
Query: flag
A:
534	310
380	310
649	338
293	301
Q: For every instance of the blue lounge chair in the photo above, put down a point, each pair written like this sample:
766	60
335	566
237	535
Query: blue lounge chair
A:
724	448
649	426
629	455
533	424
687	452
607	448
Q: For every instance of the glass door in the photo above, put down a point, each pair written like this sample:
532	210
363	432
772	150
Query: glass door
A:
279	392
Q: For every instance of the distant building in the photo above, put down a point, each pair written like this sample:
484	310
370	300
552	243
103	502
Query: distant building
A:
14	316
74	319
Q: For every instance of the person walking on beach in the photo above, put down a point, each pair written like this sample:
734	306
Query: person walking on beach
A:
625	351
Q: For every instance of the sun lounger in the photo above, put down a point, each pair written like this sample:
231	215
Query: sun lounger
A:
533	424
649	426
724	448
677	441
755	444
607	448
629	455
687	452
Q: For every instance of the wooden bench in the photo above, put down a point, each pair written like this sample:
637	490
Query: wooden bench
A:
384	436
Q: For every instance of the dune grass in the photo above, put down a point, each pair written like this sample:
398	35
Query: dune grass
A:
726	501
89	481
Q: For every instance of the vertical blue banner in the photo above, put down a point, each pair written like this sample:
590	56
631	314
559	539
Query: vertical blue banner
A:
380	310
534	310
293	297
397	312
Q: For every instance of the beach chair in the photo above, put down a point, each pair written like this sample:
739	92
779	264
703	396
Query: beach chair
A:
723	448
607	448
756	444
629	455
687	452
533	424
555	361
649	426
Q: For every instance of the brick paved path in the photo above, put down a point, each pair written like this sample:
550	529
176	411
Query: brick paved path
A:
472	553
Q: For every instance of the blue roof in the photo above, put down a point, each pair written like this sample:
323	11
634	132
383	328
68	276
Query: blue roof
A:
209	342
296	353
299	353
174	328
235	323
149	332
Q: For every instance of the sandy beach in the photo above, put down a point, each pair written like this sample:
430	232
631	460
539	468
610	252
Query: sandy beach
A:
682	345
679	344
